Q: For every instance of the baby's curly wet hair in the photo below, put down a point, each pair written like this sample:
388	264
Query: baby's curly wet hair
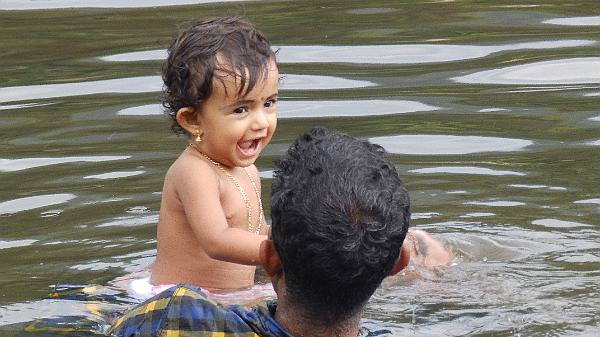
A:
340	214
188	72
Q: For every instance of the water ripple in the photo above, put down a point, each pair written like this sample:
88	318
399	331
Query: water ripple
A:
114	175
555	223
54	4
563	71
316	109
575	21
14	243
144	84
11	165
376	54
496	203
448	144
38	201
588	201
466	170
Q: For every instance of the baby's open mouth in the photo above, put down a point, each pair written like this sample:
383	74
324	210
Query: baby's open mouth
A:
249	147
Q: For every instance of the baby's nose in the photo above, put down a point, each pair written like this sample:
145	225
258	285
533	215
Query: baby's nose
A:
261	121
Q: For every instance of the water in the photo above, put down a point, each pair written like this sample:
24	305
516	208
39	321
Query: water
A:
490	109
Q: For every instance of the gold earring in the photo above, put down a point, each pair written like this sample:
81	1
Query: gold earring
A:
198	138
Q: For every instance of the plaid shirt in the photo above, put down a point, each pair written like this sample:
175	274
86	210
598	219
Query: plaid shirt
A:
184	311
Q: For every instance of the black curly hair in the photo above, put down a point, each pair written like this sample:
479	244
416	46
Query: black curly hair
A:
339	216
190	67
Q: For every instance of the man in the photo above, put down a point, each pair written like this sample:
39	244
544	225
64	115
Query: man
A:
339	217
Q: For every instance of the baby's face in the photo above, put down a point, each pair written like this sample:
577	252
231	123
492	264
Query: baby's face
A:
234	128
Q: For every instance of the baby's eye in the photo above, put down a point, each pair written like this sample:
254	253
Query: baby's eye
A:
240	110
270	103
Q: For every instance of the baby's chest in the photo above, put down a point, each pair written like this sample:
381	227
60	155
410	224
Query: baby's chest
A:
235	208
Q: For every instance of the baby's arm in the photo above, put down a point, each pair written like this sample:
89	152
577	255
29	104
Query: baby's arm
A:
197	187
425	250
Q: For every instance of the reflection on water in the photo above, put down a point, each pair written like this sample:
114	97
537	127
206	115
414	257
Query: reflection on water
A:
575	21
551	188
114	175
316	109
38	201
400	54
376	54
588	201
22	106
139	84
496	203
53	4
11	165
131	221
350	108
467	170
564	71
447	144
594	143
143	110
477	215
554	223
14	243
490	113
143	84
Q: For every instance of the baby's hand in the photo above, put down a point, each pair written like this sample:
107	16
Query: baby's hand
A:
426	251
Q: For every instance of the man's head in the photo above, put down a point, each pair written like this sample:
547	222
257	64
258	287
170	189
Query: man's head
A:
340	214
209	51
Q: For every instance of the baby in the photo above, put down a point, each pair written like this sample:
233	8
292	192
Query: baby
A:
221	83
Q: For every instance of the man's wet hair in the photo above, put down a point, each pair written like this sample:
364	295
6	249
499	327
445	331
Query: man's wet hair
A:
243	52
339	216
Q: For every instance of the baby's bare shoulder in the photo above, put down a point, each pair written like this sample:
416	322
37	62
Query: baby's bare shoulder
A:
189	168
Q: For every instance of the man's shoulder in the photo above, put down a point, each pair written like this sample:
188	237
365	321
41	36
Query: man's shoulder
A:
186	310
146	318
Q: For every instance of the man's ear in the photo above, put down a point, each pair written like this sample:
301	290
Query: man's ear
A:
402	261
187	118
269	258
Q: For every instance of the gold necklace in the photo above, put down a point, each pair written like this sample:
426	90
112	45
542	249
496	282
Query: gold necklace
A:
242	191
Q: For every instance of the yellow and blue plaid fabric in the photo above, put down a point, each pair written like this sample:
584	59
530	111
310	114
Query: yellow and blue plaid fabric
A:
184	311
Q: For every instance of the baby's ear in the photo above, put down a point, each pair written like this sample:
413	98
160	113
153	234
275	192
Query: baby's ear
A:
187	119
402	261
